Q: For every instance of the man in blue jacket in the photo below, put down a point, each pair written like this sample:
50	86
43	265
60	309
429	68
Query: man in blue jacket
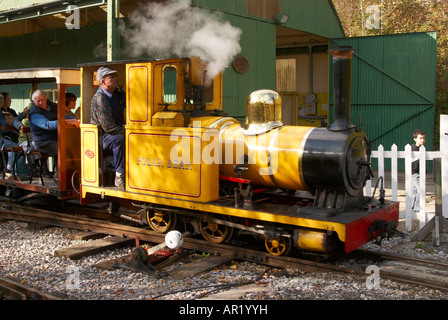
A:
44	124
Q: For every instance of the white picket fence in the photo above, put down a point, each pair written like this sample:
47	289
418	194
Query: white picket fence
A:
409	157
422	155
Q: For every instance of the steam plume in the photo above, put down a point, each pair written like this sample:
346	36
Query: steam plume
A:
168	29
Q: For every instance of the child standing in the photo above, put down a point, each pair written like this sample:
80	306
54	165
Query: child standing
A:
419	138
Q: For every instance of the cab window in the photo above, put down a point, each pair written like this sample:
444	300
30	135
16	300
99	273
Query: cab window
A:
169	84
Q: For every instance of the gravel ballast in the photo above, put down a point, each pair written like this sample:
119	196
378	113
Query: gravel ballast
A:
27	256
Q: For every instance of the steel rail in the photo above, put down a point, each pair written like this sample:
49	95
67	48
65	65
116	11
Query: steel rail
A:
83	222
399	276
13	290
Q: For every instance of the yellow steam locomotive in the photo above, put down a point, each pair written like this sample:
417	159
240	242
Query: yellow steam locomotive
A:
187	162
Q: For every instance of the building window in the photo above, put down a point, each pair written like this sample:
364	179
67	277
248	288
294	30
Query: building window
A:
286	74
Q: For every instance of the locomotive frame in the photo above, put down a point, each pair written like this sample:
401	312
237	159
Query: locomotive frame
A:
311	200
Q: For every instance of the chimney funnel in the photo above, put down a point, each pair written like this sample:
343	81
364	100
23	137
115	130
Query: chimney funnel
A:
342	76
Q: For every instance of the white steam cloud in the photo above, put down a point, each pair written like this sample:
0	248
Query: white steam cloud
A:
163	30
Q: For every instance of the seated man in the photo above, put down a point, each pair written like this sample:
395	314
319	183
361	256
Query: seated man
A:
12	138
43	121
107	111
44	124
7	104
7	137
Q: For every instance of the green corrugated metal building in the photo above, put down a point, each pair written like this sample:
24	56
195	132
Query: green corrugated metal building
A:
285	43
393	87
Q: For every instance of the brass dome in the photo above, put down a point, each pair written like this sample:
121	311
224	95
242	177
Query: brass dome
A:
263	112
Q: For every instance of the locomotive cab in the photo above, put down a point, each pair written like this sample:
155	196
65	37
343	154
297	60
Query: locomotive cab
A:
161	96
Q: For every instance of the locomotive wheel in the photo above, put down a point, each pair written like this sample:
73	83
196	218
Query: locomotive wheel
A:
278	246
161	221
214	232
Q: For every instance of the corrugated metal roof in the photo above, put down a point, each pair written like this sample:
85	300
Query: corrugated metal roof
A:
7	5
19	10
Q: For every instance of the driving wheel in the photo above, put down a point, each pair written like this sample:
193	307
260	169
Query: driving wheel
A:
161	221
278	246
213	231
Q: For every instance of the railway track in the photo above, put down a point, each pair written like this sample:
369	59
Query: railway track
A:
13	290
88	220
412	270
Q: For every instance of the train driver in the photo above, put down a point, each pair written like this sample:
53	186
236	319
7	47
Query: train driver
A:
107	111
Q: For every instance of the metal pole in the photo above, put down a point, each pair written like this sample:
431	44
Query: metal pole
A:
438	181
113	36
